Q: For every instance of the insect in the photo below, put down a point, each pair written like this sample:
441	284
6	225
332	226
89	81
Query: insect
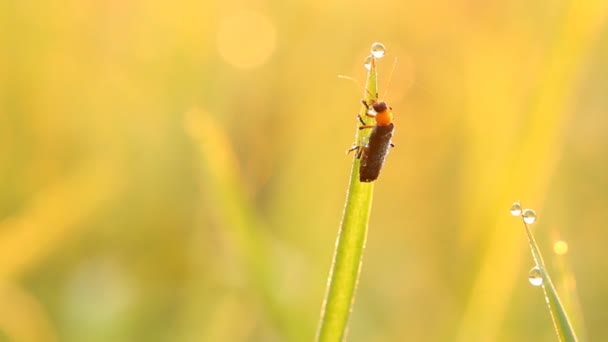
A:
374	153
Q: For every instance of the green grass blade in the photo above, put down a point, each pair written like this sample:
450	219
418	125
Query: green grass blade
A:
561	322
346	265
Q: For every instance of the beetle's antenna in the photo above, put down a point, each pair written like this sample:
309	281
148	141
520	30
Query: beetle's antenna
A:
390	78
357	83
344	77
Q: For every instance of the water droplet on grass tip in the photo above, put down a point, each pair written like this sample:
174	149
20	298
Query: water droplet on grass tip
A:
529	216
536	276
516	209
378	50
368	62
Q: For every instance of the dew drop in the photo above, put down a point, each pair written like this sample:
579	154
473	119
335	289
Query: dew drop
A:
378	50
529	216
535	276
516	209
368	62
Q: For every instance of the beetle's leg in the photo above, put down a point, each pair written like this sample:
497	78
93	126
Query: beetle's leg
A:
353	148
361	152
361	119
367	111
365	104
363	124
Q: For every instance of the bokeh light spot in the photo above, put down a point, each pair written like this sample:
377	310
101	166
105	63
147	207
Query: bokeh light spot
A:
560	247
246	39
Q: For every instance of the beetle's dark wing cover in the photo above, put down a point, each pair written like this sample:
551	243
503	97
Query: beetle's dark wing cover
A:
375	152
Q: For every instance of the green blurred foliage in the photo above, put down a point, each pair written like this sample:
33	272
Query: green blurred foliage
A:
175	171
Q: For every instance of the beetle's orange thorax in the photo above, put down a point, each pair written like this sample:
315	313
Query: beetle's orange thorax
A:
384	115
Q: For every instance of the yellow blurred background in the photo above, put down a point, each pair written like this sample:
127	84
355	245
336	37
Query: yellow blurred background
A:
175	171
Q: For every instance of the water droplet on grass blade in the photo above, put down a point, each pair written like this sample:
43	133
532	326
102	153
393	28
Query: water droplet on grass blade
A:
529	216
535	276
516	209
368	62
378	50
